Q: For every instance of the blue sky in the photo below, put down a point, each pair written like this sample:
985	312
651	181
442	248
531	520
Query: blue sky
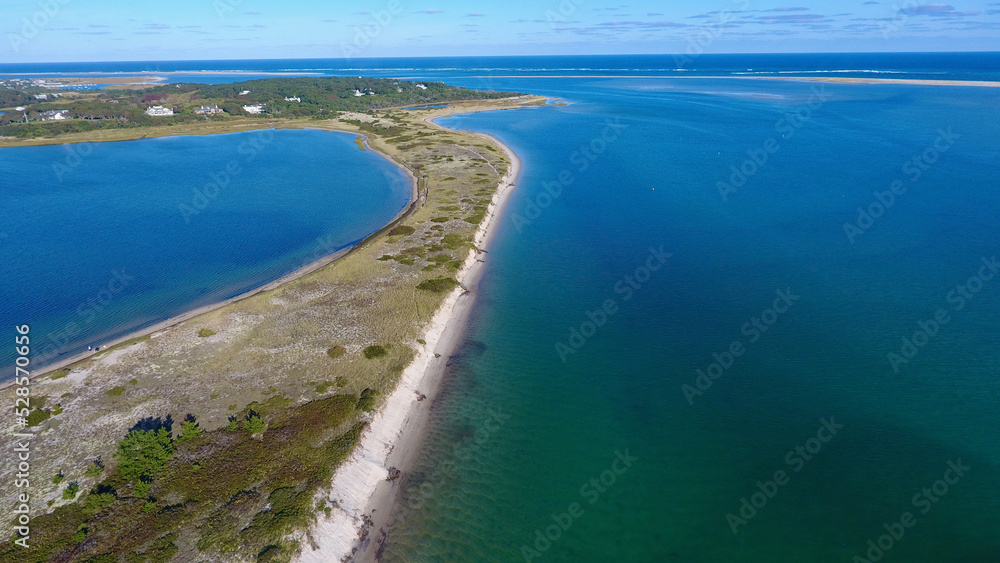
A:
96	30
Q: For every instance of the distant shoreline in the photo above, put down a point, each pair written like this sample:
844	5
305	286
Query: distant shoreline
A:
848	80
156	74
838	79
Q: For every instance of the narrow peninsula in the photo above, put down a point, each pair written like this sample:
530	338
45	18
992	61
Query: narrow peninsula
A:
217	436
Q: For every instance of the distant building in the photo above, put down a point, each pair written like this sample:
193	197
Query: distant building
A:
293	99
254	109
245	92
208	110
41	96
54	115
20	108
421	86
159	111
358	94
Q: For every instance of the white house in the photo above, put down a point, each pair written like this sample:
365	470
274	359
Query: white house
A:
245	92
358	94
210	110
421	86
159	111
254	109
56	114
293	99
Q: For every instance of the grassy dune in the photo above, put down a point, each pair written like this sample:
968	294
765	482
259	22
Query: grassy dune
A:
308	358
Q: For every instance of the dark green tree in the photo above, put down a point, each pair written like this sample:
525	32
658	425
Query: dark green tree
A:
144	453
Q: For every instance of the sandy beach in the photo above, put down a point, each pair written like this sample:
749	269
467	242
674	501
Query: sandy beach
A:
364	496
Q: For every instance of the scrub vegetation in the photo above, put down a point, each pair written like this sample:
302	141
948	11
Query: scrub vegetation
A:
313	98
274	400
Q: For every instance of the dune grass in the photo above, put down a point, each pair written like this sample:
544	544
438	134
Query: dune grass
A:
289	343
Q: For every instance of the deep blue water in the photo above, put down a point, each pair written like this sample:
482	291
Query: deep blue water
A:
103	239
955	66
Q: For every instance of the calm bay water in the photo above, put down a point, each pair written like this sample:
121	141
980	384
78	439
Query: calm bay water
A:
519	434
604	452
104	239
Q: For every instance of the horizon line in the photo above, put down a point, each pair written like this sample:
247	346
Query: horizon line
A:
514	56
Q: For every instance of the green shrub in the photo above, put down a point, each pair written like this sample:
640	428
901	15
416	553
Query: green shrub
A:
453	241
70	491
97	502
134	382
255	424
59	374
94	469
116	391
141	489
270	553
336	352
58	478
440	219
189	431
402	230
38	416
341	381
437	285
144	453
366	402
205	333
375	351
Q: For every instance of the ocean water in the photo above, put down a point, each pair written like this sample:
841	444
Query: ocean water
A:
519	434
103	239
955	66
603	456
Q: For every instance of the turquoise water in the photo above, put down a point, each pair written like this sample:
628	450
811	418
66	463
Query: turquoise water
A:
103	239
519	434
